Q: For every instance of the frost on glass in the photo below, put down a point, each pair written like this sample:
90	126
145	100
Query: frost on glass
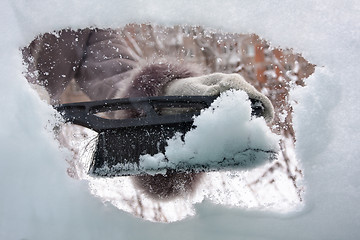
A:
274	186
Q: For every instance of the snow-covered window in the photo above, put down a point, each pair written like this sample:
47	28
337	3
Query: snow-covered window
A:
40	201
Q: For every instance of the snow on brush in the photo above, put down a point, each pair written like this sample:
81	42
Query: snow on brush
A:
39	200
226	137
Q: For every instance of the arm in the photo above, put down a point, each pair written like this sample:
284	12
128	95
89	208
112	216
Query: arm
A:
53	59
97	59
107	65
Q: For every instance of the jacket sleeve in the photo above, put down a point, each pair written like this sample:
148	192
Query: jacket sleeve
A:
106	65
54	59
97	59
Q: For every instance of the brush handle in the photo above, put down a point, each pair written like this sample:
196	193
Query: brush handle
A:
83	113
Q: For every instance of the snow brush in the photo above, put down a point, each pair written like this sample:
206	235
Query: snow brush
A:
121	142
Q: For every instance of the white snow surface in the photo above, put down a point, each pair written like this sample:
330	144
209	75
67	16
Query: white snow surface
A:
39	201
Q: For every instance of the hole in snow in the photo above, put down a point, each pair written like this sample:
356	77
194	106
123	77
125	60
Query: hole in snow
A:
272	71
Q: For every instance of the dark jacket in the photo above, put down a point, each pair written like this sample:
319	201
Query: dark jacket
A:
100	63
96	59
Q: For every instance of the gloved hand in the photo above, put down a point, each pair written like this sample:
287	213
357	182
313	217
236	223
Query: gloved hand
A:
214	84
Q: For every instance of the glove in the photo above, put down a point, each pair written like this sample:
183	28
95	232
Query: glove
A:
214	84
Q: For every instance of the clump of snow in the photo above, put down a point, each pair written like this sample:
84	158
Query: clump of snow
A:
154	164
226	136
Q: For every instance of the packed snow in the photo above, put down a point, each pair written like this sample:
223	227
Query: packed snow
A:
40	201
226	136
